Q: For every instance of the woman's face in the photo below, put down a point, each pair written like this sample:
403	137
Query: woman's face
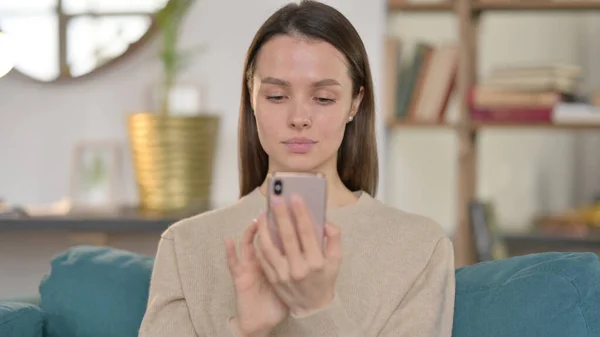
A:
302	100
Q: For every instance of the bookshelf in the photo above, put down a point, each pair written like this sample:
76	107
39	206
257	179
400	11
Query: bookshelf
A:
467	13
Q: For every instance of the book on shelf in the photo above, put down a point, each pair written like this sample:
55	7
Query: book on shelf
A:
393	49
535	78
532	93
419	91
577	113
580	220
536	69
595	101
489	242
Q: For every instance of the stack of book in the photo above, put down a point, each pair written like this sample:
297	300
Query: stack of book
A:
524	93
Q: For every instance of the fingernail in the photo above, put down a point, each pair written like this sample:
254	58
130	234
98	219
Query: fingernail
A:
259	217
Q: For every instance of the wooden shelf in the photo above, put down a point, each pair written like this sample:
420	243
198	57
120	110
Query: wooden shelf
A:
126	219
415	124
525	5
533	5
406	6
490	125
514	125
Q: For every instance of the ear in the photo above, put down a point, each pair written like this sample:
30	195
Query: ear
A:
356	102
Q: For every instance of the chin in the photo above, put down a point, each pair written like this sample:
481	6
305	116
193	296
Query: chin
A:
299	164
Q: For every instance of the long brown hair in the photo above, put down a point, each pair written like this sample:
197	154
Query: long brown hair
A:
357	162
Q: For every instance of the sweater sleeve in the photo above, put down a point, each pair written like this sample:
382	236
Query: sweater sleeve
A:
427	310
331	321
167	312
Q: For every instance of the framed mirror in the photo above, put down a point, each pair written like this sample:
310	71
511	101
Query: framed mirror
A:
65	39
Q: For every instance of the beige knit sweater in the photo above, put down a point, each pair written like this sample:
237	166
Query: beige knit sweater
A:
396	278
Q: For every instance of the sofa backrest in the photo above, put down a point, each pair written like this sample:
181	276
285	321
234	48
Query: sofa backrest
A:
95	291
100	291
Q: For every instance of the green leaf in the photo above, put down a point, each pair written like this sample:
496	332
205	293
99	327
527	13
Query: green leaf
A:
169	21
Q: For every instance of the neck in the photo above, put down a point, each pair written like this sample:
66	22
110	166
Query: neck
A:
338	194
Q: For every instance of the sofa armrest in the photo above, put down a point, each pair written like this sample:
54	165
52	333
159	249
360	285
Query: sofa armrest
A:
21	319
543	294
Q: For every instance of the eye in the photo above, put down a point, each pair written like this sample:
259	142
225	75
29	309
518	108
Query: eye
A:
275	98
325	101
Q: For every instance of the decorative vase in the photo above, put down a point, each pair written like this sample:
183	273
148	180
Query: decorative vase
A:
173	157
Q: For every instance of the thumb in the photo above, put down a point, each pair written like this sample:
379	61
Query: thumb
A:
333	233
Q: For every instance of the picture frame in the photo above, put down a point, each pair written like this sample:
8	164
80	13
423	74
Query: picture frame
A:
95	176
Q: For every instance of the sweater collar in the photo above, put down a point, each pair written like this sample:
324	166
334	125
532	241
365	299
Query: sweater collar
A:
257	200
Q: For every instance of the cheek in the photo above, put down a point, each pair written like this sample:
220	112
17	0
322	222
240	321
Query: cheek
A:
331	129
265	130
269	129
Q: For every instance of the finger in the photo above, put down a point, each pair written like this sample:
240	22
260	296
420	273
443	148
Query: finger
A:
247	242
287	232
333	250
271	254
232	259
266	266
306	230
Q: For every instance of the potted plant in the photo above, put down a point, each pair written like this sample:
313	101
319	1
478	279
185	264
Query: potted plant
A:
173	153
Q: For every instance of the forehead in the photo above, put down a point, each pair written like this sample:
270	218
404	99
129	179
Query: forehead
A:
298	58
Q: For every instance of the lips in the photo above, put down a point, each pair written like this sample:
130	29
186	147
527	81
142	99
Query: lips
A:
299	145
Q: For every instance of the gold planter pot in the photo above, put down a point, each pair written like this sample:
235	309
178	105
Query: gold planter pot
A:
173	158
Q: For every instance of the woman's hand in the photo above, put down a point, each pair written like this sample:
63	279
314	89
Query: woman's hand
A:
304	276
259	309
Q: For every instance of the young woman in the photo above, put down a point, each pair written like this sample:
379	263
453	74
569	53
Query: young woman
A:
307	105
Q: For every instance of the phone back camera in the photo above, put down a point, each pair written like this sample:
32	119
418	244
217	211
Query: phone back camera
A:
278	187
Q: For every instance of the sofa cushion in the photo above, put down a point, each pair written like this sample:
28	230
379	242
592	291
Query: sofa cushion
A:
545	294
95	292
21	319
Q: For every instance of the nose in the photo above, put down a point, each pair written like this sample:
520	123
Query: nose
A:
299	118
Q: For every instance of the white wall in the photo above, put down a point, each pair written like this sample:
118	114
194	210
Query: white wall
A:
39	124
523	172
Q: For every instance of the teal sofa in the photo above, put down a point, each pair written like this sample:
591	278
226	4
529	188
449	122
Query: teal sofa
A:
102	292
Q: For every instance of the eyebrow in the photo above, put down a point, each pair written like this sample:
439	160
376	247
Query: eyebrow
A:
278	81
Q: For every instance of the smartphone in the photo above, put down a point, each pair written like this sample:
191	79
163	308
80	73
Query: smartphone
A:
309	186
